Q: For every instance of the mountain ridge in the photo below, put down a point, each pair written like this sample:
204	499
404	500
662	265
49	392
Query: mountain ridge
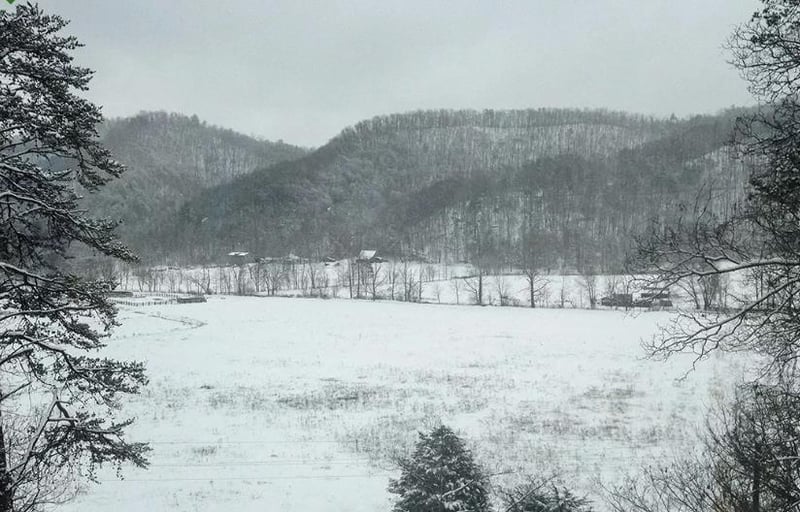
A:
358	190
170	158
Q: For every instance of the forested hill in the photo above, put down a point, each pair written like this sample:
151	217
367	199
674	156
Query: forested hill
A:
464	186
170	158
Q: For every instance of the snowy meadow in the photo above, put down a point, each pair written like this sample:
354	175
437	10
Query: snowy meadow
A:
273	403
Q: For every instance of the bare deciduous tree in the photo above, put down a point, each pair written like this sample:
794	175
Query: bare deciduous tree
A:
537	286
274	277
409	281
589	284
256	275
474	285
173	280
750	461
502	287
394	277
201	280
456	285
376	280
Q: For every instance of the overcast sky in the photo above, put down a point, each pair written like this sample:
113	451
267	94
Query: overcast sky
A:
302	70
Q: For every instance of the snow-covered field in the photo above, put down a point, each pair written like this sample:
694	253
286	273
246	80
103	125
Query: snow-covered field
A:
298	404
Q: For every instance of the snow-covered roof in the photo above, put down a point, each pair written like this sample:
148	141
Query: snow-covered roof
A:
367	254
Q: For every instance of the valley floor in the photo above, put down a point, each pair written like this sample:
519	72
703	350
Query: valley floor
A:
275	404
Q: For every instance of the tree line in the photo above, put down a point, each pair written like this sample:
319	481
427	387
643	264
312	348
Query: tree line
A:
170	158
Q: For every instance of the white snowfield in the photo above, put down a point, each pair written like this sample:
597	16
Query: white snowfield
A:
298	404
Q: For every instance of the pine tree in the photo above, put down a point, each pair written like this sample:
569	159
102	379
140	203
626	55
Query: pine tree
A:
58	401
440	476
539	496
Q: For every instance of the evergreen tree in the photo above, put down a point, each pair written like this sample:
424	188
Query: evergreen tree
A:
538	496
58	401
440	476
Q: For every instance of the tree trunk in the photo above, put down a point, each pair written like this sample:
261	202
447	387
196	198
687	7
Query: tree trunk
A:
756	492
480	287
533	294
6	497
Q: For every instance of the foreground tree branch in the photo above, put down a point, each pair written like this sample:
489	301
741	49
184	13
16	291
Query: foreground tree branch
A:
59	400
743	274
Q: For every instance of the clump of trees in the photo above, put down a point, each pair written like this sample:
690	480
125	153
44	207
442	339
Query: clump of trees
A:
442	476
542	496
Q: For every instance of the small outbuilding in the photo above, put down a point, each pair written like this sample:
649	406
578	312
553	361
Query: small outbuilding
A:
365	264
238	257
369	256
192	299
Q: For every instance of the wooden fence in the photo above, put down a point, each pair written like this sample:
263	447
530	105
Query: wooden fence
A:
138	299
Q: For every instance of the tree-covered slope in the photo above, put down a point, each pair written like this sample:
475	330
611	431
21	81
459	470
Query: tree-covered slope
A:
169	159
460	185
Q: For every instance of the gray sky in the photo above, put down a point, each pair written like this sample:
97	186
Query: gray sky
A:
302	70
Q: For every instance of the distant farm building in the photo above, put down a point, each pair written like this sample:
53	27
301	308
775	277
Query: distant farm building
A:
365	263
369	256
238	257
193	299
618	300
